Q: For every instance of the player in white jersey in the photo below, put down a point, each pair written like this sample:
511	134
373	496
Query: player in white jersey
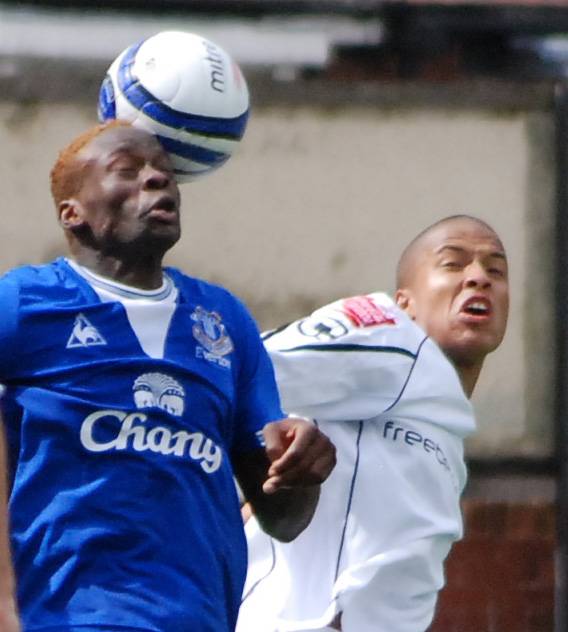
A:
389	382
133	395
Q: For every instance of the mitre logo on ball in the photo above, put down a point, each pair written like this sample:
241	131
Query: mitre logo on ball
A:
187	91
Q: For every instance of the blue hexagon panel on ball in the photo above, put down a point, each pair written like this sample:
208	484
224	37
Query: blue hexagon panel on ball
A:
186	90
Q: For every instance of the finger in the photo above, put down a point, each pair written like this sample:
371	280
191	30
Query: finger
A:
297	480
314	474
302	440
272	485
275	441
312	470
302	451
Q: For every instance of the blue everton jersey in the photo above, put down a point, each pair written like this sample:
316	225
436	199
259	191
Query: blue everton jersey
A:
123	506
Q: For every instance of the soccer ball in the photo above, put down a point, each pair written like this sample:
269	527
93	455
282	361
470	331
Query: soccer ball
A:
184	89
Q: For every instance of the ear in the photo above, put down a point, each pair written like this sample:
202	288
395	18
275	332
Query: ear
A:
404	300
70	214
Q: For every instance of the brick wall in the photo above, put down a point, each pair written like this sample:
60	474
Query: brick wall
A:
500	577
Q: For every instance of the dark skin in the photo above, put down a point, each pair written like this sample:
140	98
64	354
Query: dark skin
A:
122	220
8	609
125	216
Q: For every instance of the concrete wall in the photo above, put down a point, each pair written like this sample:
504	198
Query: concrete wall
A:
319	202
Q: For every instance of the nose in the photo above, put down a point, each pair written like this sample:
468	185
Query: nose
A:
476	275
155	178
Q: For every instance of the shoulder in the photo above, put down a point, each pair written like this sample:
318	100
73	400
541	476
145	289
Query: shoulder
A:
371	321
24	290
209	296
199	287
32	276
50	282
29	273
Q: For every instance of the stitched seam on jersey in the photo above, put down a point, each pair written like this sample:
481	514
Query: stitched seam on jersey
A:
261	579
353	347
407	377
272	332
349	501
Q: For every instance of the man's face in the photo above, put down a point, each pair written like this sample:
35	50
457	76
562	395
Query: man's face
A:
458	291
128	195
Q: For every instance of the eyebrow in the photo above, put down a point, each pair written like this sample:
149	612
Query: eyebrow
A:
119	152
498	254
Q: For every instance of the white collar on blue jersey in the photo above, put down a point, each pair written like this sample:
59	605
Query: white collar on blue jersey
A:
121	290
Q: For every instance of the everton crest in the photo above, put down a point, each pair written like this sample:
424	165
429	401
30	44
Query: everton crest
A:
210	332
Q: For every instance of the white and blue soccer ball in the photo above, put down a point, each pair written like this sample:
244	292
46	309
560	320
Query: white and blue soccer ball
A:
184	89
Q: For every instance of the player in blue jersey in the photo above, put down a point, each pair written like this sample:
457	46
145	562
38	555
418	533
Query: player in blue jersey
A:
133	395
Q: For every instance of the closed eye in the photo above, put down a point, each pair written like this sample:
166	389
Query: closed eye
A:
497	272
125	170
164	167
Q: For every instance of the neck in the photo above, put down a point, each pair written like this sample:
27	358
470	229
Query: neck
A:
468	375
144	273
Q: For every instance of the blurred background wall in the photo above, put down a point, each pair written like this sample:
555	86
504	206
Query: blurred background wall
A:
319	202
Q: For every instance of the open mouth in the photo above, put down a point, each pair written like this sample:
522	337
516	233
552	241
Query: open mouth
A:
165	209
477	307
165	203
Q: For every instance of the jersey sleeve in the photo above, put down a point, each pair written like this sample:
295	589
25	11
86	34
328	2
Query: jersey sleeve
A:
348	360
9	303
257	398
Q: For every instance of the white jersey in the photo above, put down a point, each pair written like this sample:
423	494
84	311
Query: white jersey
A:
394	407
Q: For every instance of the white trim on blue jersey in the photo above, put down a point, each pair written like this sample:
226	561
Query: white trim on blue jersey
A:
149	311
394	407
116	289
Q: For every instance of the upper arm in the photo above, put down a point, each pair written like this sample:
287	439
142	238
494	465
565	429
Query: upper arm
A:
257	401
9	304
8	616
329	366
250	470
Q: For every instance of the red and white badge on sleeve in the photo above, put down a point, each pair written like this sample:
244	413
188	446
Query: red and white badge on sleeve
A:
364	312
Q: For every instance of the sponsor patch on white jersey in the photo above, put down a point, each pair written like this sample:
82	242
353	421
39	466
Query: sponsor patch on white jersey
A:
84	334
362	311
323	328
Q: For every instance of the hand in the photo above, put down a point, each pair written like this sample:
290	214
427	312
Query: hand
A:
300	454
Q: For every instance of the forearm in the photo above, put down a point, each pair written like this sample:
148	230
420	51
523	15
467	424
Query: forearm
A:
8	608
282	481
286	513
